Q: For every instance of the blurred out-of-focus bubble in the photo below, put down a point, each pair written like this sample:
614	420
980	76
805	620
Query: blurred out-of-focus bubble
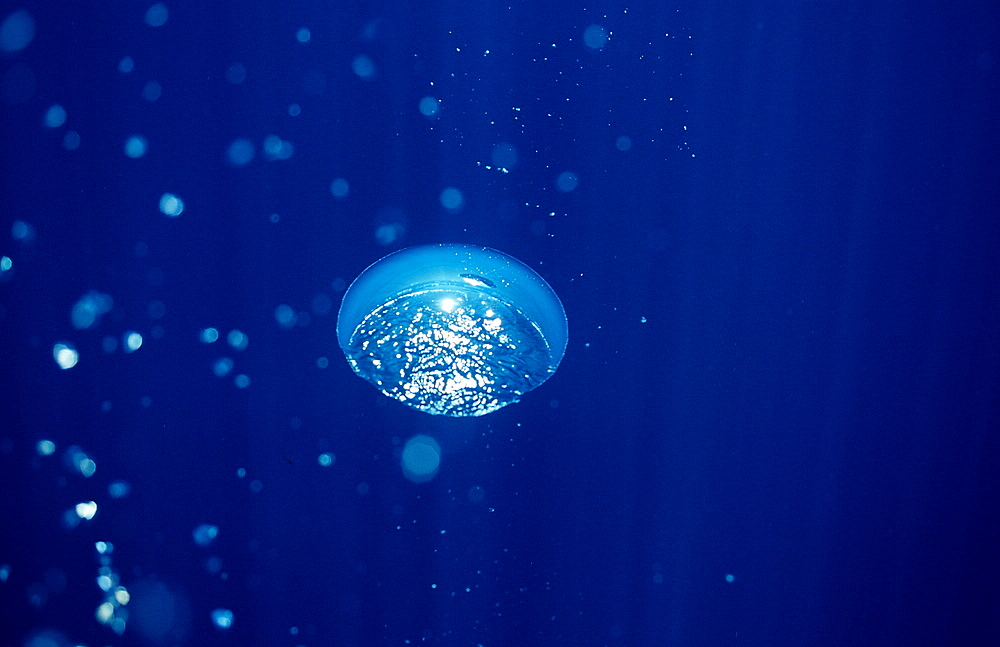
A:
238	339
595	37
55	116
285	316
236	73
421	458
205	534
340	188
171	205
135	146
23	232
363	66
65	355
157	15
567	181
17	31
240	152
429	107
89	309
504	156
222	618
222	366
452	199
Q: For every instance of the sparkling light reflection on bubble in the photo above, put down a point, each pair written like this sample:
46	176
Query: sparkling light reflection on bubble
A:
326	459
65	355
421	458
171	205
45	447
209	335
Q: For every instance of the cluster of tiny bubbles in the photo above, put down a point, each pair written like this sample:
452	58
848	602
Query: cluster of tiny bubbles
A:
429	107
567	181
111	612
452	199
364	67
223	366
421	458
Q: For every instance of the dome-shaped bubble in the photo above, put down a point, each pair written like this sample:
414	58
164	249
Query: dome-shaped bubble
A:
455	330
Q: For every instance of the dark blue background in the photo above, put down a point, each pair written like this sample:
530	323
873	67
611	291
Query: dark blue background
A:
783	308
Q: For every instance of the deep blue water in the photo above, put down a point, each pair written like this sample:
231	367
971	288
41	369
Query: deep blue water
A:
774	229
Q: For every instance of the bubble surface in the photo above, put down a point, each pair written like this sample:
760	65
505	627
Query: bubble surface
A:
454	330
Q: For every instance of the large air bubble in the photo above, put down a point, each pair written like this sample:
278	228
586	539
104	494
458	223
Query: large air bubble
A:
454	330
